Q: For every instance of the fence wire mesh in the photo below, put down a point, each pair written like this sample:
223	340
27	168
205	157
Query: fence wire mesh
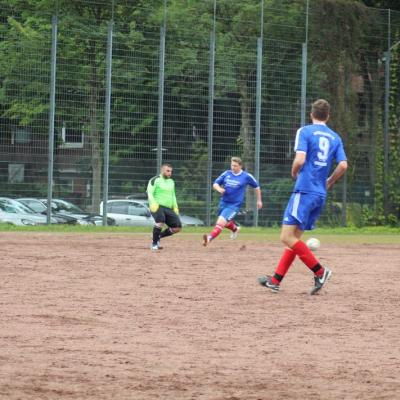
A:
160	109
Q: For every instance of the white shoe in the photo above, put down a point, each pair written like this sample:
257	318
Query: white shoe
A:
234	234
154	247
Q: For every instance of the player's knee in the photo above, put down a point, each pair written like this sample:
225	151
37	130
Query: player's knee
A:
221	222
176	230
159	225
285	238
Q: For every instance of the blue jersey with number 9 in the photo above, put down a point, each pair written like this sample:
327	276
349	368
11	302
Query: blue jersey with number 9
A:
322	146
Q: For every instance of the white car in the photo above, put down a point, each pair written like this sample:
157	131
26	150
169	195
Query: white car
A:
130	212
11	212
7	217
127	212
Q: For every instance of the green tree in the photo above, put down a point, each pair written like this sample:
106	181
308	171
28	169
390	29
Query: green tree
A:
82	39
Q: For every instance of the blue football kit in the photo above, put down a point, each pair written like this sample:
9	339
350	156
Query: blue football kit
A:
322	147
235	190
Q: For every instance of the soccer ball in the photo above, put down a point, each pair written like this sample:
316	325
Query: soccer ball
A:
313	244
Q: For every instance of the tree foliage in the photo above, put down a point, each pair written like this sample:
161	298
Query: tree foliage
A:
345	67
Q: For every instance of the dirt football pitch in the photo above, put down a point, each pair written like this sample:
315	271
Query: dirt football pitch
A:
100	316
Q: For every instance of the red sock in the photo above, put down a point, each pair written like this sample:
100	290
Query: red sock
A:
283	266
216	231
308	258
231	226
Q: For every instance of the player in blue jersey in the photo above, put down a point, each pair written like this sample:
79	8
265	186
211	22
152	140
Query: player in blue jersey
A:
232	185
317	147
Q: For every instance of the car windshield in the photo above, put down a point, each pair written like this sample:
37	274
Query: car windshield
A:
17	206
23	208
36	206
62	205
67	206
9	208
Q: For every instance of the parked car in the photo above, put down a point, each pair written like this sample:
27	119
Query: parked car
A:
127	212
83	217
136	212
185	219
39	207
12	212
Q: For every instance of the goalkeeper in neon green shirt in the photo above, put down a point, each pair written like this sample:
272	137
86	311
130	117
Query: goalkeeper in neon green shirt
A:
163	205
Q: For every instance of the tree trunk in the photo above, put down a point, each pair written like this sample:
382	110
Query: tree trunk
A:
95	145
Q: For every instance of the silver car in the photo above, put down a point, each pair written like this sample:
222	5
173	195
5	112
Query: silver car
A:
14	213
186	220
39	207
136	212
127	212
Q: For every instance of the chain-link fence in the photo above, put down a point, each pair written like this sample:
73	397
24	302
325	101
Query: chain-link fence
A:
95	95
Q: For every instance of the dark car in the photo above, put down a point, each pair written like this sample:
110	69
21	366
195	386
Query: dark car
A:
40	207
84	218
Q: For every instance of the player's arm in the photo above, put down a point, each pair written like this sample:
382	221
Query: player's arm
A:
253	182
175	202
259	199
218	188
150	195
298	162
336	174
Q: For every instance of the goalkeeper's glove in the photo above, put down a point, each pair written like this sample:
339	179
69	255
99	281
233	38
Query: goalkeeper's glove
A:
176	210
154	207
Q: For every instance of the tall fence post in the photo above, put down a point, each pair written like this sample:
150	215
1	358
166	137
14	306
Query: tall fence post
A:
161	78
344	200
54	24
303	84
386	133
258	119
386	121
304	57
107	115
210	120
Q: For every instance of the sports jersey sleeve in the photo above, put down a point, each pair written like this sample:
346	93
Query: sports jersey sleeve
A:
175	203
252	181
150	190
221	179
300	143
340	153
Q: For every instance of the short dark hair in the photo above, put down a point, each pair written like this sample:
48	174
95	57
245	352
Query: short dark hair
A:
320	109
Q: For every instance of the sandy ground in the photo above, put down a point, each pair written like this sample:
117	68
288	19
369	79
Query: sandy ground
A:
100	316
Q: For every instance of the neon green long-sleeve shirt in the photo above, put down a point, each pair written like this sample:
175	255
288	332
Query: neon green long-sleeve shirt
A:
161	191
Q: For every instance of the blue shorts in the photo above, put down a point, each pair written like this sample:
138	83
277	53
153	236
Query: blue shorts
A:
228	211
303	210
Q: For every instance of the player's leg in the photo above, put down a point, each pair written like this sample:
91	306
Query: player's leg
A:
286	260
226	214
306	210
289	228
221	222
173	223
157	229
234	227
159	221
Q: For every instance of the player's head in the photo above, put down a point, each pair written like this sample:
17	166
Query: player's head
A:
236	164
166	170
320	110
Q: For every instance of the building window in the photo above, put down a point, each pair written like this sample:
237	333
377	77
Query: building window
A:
16	173
21	135
66	185
71	138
